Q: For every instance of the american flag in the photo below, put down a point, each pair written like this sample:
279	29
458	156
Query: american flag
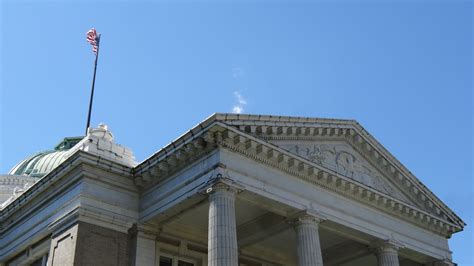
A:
93	39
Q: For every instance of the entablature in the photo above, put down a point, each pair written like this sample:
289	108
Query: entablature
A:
267	153
47	183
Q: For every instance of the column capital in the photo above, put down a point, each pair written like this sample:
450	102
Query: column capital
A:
221	186
307	217
222	183
386	246
387	252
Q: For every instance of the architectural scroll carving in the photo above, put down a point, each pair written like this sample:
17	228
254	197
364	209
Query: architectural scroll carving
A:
343	159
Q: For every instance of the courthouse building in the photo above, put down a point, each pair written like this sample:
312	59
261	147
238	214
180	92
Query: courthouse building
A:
235	190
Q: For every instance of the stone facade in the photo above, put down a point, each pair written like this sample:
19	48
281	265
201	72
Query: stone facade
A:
235	190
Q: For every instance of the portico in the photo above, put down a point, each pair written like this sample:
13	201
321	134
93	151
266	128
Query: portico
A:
289	208
243	191
267	232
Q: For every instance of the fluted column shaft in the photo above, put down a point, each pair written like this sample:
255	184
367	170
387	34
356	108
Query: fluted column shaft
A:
309	247
222	236
387	255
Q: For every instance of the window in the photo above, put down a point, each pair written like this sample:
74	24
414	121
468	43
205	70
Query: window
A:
165	261
168	260
184	263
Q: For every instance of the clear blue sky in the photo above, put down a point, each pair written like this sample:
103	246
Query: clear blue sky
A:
403	69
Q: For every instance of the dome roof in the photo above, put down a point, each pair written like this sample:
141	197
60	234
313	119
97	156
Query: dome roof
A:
42	163
99	141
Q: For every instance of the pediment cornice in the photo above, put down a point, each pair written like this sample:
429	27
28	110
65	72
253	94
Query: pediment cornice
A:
296	128
274	156
251	136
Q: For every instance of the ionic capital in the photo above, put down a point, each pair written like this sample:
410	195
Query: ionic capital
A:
222	184
220	187
386	246
307	217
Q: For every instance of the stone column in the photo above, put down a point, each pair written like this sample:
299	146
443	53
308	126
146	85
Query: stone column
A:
308	246
222	235
387	253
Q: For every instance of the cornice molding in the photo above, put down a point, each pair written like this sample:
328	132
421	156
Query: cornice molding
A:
250	139
271	155
78	158
171	162
360	140
191	141
268	127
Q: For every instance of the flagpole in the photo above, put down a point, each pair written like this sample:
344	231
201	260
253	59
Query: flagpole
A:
93	84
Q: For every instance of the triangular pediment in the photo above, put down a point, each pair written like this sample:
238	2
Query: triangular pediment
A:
340	157
344	147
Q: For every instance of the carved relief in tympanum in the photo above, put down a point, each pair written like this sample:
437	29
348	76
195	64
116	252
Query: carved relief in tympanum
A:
315	153
343	159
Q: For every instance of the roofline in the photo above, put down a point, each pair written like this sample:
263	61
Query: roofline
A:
238	117
273	118
406	170
289	119
179	140
298	121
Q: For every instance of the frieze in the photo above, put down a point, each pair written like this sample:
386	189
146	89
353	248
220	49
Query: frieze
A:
343	159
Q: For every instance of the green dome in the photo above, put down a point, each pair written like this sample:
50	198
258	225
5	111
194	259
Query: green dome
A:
42	163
